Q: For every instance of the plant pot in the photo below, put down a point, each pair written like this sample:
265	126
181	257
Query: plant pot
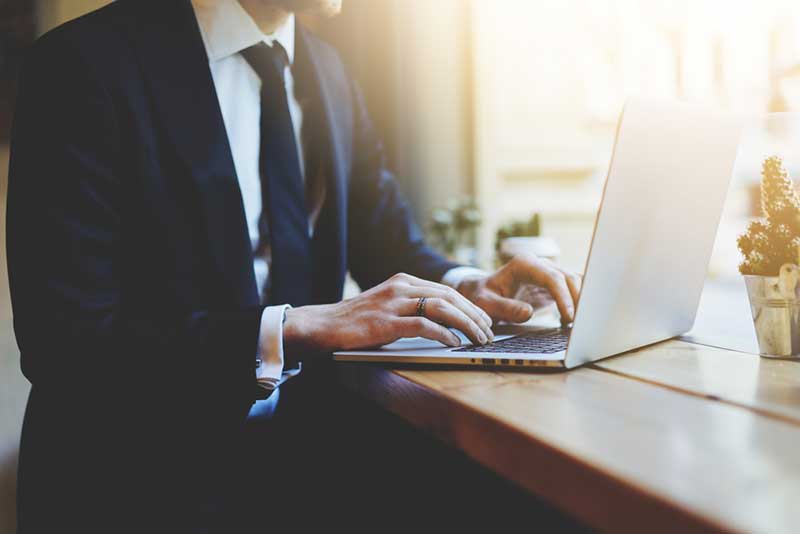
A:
776	315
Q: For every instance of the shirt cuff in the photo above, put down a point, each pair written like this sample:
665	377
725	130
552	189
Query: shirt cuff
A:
270	347
456	275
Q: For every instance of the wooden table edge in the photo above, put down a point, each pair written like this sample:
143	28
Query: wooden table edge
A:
624	505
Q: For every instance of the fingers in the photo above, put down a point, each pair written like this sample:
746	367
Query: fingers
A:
443	312
574	282
506	309
543	273
556	283
440	296
451	295
422	327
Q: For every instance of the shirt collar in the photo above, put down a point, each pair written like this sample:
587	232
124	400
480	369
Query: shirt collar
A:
227	29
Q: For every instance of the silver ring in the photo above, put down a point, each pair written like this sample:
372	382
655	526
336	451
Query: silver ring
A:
421	306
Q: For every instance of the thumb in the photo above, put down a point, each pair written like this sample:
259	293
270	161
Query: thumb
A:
505	309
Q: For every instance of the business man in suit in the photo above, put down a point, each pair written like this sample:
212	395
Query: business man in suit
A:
190	181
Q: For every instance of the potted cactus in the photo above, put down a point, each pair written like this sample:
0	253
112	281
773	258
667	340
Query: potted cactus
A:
771	251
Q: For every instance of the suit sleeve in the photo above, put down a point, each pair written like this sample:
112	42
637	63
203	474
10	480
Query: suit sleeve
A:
383	237
65	233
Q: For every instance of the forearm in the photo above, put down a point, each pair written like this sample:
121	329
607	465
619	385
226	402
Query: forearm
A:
150	348
309	329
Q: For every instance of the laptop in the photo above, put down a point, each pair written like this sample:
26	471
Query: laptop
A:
653	236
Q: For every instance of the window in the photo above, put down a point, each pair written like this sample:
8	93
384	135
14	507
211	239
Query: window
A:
552	76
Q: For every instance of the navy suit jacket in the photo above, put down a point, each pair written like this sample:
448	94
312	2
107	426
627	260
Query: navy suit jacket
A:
129	260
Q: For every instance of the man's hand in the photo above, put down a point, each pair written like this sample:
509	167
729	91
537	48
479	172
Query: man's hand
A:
495	293
387	313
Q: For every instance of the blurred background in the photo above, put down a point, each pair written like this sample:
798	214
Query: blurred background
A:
499	116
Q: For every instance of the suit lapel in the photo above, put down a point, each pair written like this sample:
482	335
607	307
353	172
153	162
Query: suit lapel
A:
175	64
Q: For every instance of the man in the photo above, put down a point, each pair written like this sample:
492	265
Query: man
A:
190	181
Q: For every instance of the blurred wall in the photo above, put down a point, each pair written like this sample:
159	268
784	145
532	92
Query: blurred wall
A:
55	12
413	60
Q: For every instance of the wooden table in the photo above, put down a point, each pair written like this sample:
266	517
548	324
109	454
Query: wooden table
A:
675	437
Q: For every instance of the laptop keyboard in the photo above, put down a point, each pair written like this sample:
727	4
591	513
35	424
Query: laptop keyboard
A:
545	342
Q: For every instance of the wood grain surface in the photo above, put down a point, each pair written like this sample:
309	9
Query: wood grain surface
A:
770	387
616	451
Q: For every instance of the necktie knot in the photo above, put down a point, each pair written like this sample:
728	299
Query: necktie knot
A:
268	61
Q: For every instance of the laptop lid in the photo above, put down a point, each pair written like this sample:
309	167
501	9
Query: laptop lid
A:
655	228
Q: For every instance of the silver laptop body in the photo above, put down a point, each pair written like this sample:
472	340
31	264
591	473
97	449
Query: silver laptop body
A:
653	237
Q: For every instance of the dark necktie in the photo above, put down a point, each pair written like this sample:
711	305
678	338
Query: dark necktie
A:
284	215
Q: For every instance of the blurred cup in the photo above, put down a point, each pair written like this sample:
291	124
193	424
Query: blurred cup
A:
543	247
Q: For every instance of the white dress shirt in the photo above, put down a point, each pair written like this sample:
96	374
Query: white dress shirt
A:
227	29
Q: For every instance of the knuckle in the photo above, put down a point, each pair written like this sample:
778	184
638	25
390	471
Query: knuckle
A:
483	299
437	294
392	326
395	280
449	295
419	324
557	277
392	289
527	257
436	304
485	295
406	329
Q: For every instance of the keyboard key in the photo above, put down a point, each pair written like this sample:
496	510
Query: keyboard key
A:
544	342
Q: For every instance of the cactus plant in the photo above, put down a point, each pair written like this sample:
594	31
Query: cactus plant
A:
774	240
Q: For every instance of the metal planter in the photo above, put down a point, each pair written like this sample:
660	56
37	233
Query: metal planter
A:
775	304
